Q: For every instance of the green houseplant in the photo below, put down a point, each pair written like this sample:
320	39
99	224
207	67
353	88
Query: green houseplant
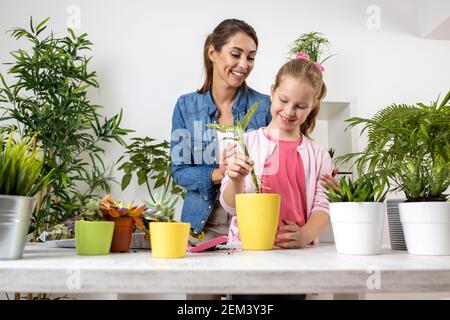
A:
169	238
49	100
258	212
357	214
125	217
409	145
150	161
20	169
311	46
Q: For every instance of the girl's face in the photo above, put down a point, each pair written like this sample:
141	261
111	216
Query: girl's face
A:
234	62
292	102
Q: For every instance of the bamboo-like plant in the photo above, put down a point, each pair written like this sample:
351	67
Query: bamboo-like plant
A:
410	145
314	44
49	100
20	166
238	135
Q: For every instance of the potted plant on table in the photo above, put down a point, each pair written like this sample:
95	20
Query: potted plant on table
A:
125	217
257	213
410	146
20	179
357	214
93	235
168	237
150	161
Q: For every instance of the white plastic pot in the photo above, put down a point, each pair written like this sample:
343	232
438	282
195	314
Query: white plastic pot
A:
426	226
357	227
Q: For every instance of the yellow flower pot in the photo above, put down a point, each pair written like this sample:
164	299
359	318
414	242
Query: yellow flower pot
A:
169	239
257	215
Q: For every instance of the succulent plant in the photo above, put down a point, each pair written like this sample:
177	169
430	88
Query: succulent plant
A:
162	208
364	189
116	209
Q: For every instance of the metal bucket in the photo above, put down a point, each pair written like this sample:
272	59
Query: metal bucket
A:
15	217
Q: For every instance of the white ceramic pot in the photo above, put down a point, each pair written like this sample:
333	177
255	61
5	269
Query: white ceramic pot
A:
426	226
357	227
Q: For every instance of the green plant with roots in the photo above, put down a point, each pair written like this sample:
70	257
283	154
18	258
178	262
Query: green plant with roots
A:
312	43
20	166
48	100
238	135
408	145
364	189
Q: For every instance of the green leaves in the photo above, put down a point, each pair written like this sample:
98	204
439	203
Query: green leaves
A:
150	161
365	189
408	145
249	115
314	44
162	207
20	166
49	100
238	135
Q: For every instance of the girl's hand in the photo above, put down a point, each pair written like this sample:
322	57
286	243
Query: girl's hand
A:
294	236
239	166
330	180
219	173
226	156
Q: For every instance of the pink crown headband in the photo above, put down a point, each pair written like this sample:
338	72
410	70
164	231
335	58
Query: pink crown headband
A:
303	55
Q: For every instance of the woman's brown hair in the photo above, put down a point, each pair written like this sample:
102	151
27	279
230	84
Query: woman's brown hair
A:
218	38
308	71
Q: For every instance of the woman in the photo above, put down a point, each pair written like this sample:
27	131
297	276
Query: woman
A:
228	55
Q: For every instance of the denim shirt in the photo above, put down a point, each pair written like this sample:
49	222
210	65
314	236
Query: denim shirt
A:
193	147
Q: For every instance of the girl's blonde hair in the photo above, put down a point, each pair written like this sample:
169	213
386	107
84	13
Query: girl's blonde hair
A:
306	70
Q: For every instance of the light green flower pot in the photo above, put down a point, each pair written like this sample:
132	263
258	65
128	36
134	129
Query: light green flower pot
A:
93	237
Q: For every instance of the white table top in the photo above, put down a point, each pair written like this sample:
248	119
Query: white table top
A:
316	269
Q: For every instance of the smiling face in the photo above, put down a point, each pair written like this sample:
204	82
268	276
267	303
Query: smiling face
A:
292	102
234	62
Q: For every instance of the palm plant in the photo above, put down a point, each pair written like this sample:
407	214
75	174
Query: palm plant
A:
314	44
238	135
49	101
20	166
410	145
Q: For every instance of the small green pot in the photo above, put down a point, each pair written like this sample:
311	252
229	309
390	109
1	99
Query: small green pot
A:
93	237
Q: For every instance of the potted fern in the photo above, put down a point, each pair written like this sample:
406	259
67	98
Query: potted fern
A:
357	215
20	172
168	237
257	213
410	146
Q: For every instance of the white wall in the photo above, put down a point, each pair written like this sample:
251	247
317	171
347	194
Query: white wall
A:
148	53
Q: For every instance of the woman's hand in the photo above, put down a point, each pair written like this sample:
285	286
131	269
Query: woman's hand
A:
327	179
239	166
293	236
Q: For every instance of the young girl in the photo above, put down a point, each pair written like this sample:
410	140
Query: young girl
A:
289	162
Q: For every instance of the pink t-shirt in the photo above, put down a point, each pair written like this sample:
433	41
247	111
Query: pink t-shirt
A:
288	181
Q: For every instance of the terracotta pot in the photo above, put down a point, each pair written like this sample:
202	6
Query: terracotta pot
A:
123	231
